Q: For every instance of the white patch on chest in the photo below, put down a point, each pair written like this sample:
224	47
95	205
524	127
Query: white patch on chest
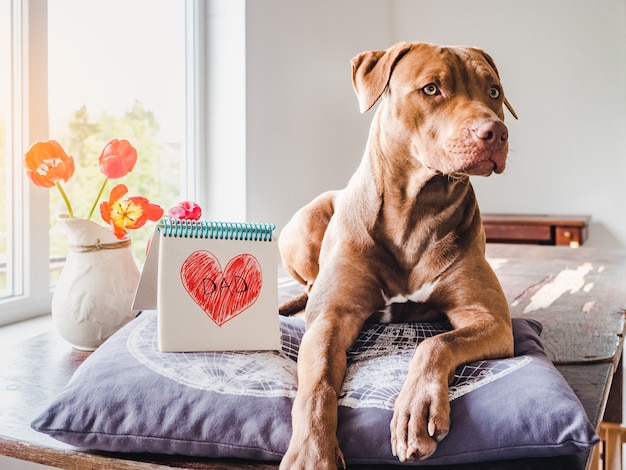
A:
420	295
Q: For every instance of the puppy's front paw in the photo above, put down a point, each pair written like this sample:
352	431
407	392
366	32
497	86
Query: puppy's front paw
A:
309	455
421	419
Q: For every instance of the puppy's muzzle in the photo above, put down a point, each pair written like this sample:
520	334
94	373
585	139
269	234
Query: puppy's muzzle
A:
491	136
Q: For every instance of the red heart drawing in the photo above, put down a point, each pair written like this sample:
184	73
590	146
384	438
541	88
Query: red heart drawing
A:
222	294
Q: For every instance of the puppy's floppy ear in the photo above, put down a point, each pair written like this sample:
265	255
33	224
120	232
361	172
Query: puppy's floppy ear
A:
510	108
491	62
371	71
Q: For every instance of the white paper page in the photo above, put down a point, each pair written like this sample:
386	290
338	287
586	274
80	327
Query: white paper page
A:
217	294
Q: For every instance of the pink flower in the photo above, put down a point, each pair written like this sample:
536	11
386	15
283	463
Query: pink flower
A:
185	210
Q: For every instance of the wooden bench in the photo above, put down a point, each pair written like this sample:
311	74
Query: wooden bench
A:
570	230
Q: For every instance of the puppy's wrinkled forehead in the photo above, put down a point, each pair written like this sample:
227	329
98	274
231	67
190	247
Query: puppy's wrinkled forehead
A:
449	67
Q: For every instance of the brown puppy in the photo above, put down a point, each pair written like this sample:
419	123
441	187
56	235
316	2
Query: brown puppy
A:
406	230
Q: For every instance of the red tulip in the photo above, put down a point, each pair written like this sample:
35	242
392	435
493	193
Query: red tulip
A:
126	214
185	210
47	163
117	159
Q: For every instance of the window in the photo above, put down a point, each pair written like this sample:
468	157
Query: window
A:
7	282
116	69
23	284
99	70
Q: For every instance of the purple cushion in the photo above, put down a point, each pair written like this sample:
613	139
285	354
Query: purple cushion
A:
129	397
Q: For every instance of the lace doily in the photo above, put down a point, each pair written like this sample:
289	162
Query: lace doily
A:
252	373
377	364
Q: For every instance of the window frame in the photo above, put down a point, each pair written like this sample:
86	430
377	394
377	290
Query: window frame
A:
28	237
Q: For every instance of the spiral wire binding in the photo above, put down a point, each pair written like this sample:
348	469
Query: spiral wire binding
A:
216	230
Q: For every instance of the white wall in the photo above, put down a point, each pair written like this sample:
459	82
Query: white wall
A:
221	180
563	65
304	130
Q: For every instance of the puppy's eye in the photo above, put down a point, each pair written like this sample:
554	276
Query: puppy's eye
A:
431	89
494	92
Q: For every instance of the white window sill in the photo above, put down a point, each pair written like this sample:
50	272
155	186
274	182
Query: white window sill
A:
23	330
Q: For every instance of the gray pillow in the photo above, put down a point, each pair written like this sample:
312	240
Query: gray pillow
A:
129	397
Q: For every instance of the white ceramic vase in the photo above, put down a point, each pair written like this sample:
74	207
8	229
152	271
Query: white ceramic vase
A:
93	295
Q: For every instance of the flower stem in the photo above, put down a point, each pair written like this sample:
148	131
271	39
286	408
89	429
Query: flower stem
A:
65	198
95	203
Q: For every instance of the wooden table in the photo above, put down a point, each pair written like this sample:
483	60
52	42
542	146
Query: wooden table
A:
578	295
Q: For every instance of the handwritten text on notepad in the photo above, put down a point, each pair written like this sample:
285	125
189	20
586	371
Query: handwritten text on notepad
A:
222	293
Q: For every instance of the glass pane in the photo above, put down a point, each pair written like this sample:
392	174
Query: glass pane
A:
6	287
116	70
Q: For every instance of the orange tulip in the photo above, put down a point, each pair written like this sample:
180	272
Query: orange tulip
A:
126	214
47	163
117	159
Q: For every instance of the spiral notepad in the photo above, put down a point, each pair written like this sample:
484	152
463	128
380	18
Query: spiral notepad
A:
216	286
